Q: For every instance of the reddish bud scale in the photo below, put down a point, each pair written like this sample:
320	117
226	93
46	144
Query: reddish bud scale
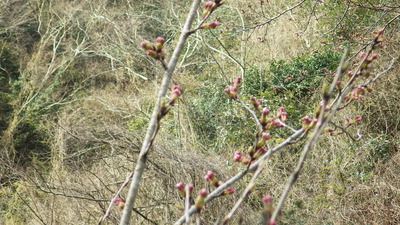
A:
152	54
272	222
267	199
228	191
213	24
160	40
237	156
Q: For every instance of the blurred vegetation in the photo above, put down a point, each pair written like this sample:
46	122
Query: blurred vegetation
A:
76	92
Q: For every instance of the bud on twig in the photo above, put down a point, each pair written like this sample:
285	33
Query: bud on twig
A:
199	203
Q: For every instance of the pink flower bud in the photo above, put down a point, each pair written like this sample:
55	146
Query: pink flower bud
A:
266	136
358	118
374	56
210	174
160	40
380	32
265	111
363	55
267	199
227	90
213	25
283	116
117	200
350	73
180	186
152	54
228	191
176	87
146	45
238	79
208	5
191	187
272	222
203	193
237	156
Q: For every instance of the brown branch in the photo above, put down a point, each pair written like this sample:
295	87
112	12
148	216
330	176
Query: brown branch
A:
154	122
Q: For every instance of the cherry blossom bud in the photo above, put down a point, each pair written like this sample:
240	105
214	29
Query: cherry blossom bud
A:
283	116
176	92
380	31
363	55
117	200
228	191
213	24
160	40
272	222
374	56
152	54
305	121
199	203
146	45
237	156
180	186
266	136
208	4
191	187
265	111
358	118
267	199
238	80
350	73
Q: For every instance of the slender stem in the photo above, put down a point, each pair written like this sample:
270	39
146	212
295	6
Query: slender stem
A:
152	128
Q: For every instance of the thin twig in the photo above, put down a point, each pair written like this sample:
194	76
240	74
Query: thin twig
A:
107	213
154	123
246	192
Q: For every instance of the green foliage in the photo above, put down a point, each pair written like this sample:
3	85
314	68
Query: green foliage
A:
303	73
9	74
30	143
137	123
291	84
217	119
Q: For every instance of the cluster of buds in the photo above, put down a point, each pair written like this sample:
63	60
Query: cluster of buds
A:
155	51
268	210
176	93
308	123
368	57
348	122
281	114
256	103
270	123
232	90
211	25
181	188
357	93
119	202
319	109
210	6
332	132
253	152
165	108
210	178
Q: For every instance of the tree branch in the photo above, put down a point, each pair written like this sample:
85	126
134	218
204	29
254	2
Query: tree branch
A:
152	128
